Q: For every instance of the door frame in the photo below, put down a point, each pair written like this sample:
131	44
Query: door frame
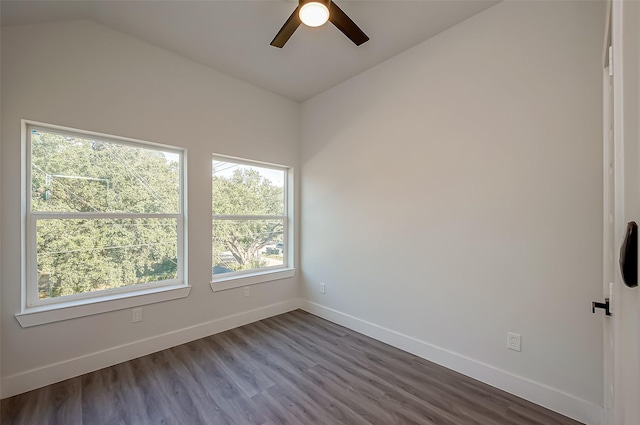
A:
622	376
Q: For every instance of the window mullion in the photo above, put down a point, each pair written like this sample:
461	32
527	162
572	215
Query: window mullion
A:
97	215
248	217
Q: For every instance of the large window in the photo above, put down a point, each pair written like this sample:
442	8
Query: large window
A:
250	218
104	216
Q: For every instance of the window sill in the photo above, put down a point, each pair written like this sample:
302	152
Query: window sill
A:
70	310
224	283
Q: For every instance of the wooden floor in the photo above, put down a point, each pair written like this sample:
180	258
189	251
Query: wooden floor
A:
290	369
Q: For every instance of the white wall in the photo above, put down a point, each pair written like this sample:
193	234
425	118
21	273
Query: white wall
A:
454	193
84	75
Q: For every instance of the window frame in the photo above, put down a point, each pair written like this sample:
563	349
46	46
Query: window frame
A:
36	311
263	274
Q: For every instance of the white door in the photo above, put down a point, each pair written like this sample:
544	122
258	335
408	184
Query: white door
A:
622	204
609	226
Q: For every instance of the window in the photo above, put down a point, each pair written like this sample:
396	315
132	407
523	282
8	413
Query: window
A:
104	216
251	221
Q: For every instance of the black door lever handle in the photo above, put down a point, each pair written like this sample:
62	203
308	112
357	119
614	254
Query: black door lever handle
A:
629	256
605	306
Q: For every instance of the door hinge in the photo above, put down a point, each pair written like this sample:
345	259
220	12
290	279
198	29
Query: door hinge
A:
610	61
605	306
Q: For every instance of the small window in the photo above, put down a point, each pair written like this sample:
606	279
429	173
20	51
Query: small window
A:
104	216
250	218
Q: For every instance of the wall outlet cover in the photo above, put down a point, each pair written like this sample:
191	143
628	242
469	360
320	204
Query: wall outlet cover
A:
514	341
136	315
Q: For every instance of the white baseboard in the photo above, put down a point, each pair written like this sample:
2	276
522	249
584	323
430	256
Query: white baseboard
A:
543	395
50	374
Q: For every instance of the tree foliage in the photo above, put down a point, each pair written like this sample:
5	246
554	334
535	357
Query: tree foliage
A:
245	193
77	255
84	253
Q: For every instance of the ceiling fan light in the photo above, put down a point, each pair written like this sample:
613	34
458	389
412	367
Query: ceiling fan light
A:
314	14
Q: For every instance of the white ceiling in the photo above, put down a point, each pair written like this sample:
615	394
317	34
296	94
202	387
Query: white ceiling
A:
233	36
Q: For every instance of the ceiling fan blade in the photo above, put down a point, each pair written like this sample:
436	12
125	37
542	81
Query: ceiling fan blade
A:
346	25
287	29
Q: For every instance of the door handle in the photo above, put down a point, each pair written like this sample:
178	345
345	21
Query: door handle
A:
629	256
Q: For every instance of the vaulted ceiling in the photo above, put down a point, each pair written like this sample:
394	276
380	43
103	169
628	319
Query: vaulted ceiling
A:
233	36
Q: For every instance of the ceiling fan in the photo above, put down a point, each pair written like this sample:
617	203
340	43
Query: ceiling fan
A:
315	13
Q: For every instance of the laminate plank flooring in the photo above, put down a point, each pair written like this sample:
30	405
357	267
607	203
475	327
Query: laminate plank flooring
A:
291	369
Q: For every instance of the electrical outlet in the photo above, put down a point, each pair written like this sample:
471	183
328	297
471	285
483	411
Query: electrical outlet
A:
323	288
136	315
513	341
245	292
